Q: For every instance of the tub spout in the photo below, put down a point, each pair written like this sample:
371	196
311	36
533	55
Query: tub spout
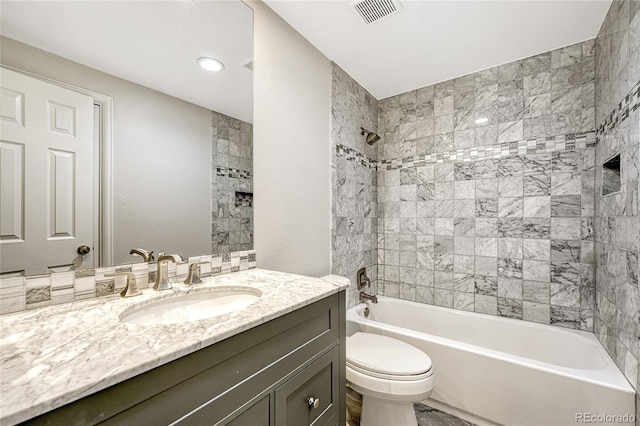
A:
367	297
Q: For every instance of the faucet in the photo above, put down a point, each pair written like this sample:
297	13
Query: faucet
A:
146	255
194	273
362	282
162	274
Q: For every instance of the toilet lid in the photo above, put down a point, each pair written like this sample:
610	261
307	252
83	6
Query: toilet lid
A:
386	355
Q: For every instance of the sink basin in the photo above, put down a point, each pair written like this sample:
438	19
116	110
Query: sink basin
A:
193	306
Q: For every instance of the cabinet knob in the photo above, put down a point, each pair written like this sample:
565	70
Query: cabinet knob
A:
313	402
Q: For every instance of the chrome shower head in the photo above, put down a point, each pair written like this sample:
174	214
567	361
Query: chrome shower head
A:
371	136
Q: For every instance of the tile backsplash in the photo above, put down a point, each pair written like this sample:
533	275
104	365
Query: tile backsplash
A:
21	293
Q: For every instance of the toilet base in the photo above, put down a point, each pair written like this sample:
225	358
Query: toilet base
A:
382	412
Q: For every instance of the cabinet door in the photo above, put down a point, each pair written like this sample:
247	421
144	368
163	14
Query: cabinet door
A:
320	381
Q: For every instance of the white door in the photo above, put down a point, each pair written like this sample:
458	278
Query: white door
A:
46	175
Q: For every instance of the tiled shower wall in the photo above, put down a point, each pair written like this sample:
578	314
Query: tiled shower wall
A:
353	228
617	322
495	217
231	184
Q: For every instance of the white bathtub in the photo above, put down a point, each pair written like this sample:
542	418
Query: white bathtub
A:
492	370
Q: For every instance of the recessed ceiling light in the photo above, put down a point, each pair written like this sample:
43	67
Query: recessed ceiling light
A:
210	64
482	120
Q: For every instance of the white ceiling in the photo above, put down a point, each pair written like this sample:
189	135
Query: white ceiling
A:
432	41
152	43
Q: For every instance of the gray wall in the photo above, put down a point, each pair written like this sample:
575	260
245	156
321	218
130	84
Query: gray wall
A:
354	206
617	323
161	157
493	217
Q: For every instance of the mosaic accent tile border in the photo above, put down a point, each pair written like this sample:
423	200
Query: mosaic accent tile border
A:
620	113
22	293
570	142
232	173
353	155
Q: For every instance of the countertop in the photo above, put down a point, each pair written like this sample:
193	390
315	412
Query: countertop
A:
58	354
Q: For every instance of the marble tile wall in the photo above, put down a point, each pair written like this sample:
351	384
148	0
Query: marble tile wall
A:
485	190
545	95
21	293
231	184
617	224
354	204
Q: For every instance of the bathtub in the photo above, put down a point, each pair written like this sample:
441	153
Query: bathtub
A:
492	370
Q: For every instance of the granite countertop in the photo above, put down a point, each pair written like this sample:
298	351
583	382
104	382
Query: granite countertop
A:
55	355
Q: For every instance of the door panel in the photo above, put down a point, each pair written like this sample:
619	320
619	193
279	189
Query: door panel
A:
46	136
11	191
12	106
61	195
62	118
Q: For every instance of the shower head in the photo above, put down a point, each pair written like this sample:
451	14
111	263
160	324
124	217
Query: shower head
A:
371	136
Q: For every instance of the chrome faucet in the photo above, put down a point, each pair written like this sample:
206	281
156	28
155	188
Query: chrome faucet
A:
146	255
194	273
162	273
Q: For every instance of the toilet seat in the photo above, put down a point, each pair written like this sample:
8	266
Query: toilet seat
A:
386	358
389	376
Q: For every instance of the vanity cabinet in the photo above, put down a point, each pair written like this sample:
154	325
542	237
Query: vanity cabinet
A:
288	371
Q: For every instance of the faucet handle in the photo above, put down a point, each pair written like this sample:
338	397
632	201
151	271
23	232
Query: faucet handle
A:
194	273
131	289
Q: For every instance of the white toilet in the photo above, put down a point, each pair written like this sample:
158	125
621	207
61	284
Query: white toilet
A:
390	375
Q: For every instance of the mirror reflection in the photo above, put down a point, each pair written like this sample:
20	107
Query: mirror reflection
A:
137	145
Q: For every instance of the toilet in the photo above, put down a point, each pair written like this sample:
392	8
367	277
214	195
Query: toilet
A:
390	375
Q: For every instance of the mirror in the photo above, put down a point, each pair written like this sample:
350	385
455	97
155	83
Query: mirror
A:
172	159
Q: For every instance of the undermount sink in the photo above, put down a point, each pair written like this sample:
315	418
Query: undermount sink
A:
193	306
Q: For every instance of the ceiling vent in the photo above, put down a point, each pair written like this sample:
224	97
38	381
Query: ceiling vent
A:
372	11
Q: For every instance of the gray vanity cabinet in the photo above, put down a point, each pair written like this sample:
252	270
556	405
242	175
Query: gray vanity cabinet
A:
288	371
